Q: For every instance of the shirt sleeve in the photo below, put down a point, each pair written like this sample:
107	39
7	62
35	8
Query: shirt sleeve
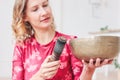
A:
17	64
77	65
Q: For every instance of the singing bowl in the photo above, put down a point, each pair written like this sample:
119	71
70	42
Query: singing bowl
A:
95	47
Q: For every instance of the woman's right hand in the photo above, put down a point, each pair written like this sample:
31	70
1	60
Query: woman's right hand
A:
47	70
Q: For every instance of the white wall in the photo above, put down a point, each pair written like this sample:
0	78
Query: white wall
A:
79	18
56	6
5	37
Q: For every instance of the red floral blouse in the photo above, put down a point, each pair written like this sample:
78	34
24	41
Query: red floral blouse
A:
27	60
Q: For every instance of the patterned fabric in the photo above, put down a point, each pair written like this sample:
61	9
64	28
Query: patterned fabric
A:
27	60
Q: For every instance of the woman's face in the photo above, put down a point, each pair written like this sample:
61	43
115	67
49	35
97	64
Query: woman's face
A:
38	14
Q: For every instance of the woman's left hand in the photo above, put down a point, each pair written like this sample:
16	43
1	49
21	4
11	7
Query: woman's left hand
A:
97	63
91	65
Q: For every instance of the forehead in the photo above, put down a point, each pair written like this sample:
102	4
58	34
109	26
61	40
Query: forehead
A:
32	3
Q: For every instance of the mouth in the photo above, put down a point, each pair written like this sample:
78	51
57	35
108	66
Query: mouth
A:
45	19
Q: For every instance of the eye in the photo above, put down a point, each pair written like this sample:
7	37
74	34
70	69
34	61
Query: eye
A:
34	9
45	5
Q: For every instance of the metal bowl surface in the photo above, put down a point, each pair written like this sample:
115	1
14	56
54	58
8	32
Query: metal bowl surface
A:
95	47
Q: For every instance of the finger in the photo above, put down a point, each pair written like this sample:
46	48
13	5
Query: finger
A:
85	62
47	62
45	72
52	64
91	62
98	62
55	68
49	72
47	59
106	61
50	75
110	61
44	65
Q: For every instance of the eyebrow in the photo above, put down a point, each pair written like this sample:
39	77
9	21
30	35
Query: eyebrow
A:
44	1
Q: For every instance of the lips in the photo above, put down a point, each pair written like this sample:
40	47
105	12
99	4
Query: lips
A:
45	19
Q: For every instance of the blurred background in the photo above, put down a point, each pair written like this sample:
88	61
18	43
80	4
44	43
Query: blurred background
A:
75	17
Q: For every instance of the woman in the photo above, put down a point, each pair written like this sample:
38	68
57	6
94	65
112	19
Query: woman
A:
34	29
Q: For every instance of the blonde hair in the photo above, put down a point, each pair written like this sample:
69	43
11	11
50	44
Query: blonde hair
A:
22	30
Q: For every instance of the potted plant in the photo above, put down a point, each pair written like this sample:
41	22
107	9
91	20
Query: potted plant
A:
117	66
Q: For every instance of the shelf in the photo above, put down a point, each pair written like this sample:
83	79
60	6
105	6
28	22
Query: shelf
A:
106	31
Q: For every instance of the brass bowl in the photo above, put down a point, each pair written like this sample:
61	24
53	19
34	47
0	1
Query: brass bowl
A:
95	47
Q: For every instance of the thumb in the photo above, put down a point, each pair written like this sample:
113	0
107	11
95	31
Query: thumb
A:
47	59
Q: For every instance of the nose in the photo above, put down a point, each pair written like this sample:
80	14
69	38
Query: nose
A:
43	12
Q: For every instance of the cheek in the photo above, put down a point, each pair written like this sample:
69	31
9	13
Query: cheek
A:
33	18
49	11
51	15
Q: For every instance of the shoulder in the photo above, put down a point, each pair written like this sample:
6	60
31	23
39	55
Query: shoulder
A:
67	36
22	44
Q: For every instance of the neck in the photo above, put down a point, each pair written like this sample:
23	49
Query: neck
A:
44	37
